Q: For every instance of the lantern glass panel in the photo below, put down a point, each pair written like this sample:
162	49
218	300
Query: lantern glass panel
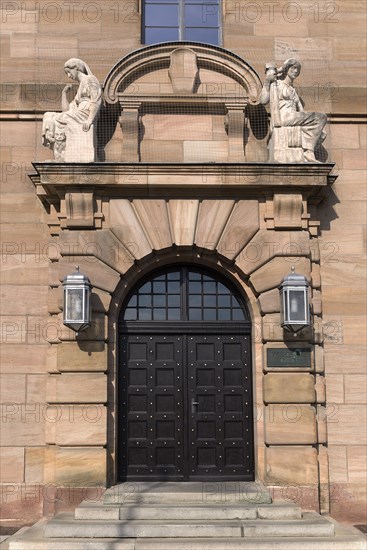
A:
296	304
75	301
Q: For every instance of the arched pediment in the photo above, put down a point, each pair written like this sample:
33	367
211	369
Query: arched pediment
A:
145	72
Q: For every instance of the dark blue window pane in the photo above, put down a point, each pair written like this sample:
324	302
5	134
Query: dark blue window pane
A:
154	35
145	301
133	301
210	314
224	301
145	314
195	314
158	286
130	314
205	15
209	287
195	300
174	301
174	314
210	301
161	1
173	287
173	276
222	289
235	302
201	2
159	300
161	15
224	314
160	278
194	288
210	36
237	315
194	276
159	314
147	288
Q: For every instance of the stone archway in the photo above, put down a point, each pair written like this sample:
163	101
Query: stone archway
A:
170	259
184	377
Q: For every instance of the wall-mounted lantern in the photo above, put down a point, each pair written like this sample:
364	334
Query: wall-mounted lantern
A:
77	310
295	307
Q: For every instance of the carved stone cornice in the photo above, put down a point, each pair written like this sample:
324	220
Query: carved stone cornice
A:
226	180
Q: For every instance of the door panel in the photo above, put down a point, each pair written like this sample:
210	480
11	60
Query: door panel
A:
220	417
186	411
152	428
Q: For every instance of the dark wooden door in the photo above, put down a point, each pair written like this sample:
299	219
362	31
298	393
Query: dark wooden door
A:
152	423
186	407
220	407
184	379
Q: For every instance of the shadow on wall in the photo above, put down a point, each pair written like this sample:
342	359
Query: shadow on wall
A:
108	119
327	211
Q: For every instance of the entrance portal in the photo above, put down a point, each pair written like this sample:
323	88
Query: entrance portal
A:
185	387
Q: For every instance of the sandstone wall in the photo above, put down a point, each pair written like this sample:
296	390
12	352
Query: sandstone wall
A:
36	39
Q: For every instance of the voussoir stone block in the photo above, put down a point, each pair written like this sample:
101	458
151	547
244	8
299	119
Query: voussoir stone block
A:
154	217
212	218
266	245
241	226
291	464
269	301
183	216
101	275
271	274
77	388
289	388
102	244
290	424
127	227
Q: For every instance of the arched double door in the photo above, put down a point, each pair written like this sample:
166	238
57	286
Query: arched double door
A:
184	380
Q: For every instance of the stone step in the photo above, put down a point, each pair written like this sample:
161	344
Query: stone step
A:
312	525
97	511
345	539
187	492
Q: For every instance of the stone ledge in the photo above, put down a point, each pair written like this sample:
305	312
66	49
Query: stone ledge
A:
150	180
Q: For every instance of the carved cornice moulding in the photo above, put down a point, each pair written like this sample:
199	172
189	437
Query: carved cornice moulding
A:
207	180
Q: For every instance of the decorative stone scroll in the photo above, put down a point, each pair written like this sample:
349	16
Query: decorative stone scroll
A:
295	133
71	134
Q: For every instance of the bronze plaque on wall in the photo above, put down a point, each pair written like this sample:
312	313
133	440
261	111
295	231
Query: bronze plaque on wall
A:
284	357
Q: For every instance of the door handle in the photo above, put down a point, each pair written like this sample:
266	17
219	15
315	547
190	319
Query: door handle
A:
194	404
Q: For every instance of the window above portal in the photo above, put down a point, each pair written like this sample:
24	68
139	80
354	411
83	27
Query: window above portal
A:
185	294
191	20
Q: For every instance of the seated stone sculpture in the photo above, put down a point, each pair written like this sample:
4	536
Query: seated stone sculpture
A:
72	134
295	133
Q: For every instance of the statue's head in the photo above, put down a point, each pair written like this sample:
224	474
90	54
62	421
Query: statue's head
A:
78	64
289	64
